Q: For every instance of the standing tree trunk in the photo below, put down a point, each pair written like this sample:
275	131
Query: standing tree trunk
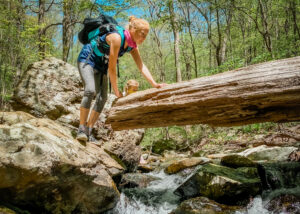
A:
263	8
41	33
20	25
162	76
293	8
187	18
187	61
214	11
154	14
67	28
175	28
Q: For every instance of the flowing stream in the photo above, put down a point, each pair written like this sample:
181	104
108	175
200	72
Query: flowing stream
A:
157	198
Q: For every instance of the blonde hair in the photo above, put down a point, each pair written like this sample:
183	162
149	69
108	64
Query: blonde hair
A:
138	24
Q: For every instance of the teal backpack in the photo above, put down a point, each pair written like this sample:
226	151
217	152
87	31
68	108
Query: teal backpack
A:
101	48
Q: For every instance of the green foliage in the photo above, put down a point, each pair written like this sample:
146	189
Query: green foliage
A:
256	128
189	137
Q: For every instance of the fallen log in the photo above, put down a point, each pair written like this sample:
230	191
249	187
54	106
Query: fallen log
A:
266	92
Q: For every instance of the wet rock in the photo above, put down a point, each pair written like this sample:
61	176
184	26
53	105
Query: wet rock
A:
43	168
271	154
179	165
222	184
203	205
131	180
236	161
279	175
145	168
284	204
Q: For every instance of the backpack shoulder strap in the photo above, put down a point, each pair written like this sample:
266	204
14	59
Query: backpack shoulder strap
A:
120	31
94	41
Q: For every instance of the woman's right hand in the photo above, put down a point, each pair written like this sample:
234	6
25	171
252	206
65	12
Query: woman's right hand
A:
119	94
160	85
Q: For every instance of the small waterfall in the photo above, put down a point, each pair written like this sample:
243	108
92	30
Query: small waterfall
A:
281	189
157	198
255	206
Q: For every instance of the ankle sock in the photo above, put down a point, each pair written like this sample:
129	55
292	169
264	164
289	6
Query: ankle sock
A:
82	127
90	129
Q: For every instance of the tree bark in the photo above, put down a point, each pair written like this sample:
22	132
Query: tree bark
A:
175	27
41	33
293	8
67	28
188	22
259	93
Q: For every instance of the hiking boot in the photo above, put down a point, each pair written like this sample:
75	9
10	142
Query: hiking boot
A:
92	138
81	135
90	135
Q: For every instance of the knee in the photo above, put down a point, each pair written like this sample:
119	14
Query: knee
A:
90	93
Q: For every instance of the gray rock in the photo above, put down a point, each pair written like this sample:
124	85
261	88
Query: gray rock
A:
131	180
52	88
202	205
272	154
43	168
219	183
284	204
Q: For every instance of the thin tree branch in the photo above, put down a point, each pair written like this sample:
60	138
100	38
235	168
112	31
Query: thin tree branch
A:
49	6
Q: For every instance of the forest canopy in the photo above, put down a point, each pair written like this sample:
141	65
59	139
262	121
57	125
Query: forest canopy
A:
188	38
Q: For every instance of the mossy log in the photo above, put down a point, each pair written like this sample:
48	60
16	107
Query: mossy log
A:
266	92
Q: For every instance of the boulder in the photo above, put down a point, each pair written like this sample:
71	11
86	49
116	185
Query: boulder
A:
202	205
53	89
145	168
284	204
280	175
219	183
131	180
50	88
179	165
236	161
125	153
42	168
273	154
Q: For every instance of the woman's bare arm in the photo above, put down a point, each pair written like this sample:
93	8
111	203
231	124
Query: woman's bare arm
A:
114	41
142	67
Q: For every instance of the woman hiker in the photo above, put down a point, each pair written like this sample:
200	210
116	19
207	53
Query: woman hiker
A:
93	68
